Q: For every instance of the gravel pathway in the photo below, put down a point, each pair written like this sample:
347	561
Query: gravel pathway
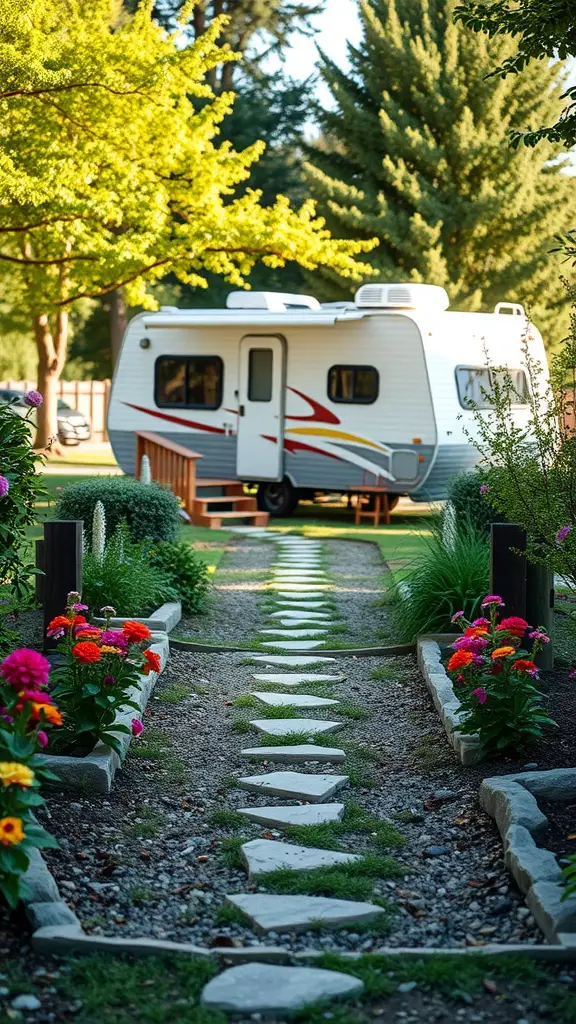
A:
159	855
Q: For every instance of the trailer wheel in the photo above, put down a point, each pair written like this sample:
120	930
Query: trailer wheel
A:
278	499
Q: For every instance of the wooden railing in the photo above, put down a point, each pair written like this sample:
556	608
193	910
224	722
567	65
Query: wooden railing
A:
170	464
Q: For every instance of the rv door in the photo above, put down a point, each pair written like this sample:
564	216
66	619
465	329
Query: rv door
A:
260	442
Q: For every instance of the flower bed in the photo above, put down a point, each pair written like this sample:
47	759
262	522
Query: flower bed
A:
439	684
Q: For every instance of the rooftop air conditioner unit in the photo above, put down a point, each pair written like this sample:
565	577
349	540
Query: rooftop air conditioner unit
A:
402	296
274	302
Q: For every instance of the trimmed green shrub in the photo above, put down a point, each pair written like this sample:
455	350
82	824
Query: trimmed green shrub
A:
150	511
187	573
441	580
127	578
469	503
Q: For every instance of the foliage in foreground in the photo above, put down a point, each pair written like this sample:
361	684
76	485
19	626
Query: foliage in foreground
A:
19	489
467	496
442	579
494	679
150	511
126	576
185	572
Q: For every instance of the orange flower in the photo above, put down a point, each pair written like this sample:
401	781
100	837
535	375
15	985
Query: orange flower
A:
60	622
136	631
88	633
503	652
460	659
86	652
476	631
11	831
524	665
153	663
51	714
78	620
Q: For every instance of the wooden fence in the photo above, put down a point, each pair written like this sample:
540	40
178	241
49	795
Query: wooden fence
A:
90	397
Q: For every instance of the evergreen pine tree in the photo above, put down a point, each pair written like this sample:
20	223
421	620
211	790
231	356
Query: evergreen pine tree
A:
416	152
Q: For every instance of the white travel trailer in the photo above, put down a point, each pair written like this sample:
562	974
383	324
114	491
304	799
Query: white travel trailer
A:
302	398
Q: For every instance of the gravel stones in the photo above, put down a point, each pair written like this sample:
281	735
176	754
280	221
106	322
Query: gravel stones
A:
264	855
287	726
297	913
271	990
303	814
297	753
297	785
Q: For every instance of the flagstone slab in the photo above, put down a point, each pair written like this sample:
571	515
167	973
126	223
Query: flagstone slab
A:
270	913
296	785
306	587
292	660
296	614
275	991
296	753
298	604
296	678
298	573
305	595
295	633
264	855
287	726
300	563
304	622
302	814
293	700
294	645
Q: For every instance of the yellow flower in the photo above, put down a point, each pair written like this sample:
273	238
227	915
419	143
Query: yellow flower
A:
11	831
107	649
14	774
503	652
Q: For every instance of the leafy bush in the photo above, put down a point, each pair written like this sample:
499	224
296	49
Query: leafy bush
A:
494	679
125	577
441	580
187	573
19	488
470	504
151	512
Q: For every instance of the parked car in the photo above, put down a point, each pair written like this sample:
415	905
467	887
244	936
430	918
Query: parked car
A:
73	426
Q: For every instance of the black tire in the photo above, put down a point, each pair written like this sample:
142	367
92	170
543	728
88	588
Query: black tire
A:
279	498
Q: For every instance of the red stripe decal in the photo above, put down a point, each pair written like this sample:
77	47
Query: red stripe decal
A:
176	419
295	446
320	413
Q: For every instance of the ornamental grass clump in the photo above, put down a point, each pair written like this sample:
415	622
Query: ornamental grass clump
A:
125	575
28	716
102	668
494	679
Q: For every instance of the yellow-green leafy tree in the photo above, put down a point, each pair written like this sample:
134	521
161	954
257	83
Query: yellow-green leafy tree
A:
111	174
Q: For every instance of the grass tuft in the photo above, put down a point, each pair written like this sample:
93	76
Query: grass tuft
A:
174	693
355	820
224	818
345	881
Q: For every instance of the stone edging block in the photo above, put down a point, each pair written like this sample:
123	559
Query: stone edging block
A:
42	902
162	620
512	801
445	701
96	771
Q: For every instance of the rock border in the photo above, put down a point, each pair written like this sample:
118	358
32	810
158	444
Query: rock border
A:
95	772
439	684
43	905
512	801
163	620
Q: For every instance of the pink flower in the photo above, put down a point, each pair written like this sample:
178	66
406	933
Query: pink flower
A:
480	694
474	644
456	616
33	399
109	680
536	634
4	486
492	599
483	623
562	534
79	607
114	638
484	489
35	696
42	738
137	727
25	668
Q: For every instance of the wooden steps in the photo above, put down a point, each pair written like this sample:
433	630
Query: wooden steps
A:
236	504
213	520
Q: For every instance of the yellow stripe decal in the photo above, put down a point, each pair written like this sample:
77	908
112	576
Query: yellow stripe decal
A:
342	435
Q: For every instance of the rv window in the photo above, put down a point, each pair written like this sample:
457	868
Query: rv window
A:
475	384
260	365
358	384
192	382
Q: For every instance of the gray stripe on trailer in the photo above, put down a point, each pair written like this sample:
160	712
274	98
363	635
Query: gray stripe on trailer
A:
218	450
451	459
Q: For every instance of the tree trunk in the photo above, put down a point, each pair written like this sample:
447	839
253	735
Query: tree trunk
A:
51	358
118	322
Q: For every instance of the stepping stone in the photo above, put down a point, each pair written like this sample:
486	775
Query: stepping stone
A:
264	855
304	622
294	645
306	595
296	913
295	604
305	814
307	587
293	700
291	660
296	785
297	752
294	632
296	678
288	726
288	613
275	991
299	563
297	573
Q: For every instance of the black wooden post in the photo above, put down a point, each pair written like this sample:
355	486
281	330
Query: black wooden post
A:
39	579
62	567
507	568
540	607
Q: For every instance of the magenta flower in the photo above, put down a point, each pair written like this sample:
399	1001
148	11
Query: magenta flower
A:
109	680
42	738
79	607
114	638
4	486
562	534
536	634
480	694
484	489
33	399
483	623
474	644
35	697
137	727
25	668
456	616
492	599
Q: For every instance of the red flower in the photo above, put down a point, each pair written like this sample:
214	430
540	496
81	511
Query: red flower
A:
460	659
136	631
78	620
475	631
524	665
153	663
514	625
58	622
86	652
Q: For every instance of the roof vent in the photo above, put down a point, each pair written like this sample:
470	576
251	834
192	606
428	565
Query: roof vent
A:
274	302
402	296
